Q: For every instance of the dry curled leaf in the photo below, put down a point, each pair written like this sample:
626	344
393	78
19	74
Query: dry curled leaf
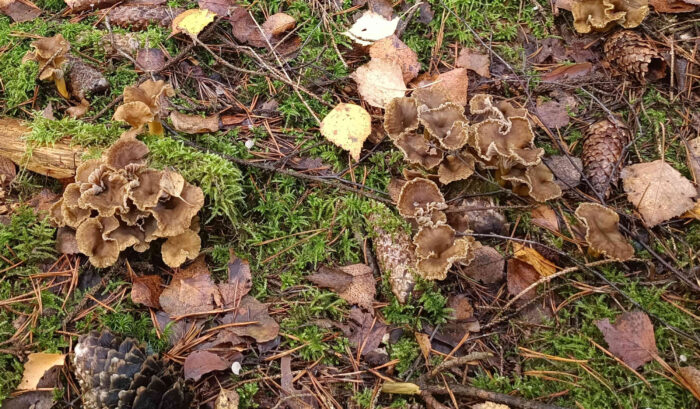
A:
353	283
490	405
474	60
392	49
379	81
602	233
691	376
658	191
200	363
20	10
146	290
191	290
262	328
456	82
487	265
193	124
552	113
347	126
671	6
150	59
365	330
37	365
545	217
371	27
520	276
535	259
631	338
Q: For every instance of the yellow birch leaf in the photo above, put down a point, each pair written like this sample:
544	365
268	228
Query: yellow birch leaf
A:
535	259
192	22
347	126
36	367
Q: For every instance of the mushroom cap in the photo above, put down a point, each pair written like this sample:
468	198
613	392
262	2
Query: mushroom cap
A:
431	97
601	15
106	192
438	248
439	121
457	136
150	93
491	139
83	172
175	214
50	53
419	197
458	166
534	181
90	236
134	113
72	213
400	115
178	249
126	236
416	149
602	232
55	213
146	190
125	151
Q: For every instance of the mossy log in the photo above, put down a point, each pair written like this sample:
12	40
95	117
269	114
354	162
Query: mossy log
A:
58	160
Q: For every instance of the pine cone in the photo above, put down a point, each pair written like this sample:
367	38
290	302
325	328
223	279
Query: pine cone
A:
138	17
116	374
84	79
632	55
602	149
395	255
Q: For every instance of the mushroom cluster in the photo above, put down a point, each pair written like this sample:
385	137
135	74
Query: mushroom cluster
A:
51	55
434	133
118	202
602	15
143	105
437	243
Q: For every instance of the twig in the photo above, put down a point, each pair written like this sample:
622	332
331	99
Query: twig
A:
476	356
513	401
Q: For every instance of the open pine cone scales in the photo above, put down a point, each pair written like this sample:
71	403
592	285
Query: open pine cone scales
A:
117	374
602	149
632	55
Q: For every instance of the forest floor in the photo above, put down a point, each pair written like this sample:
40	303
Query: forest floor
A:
291	203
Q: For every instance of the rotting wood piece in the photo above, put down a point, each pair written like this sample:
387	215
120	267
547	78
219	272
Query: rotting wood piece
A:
58	161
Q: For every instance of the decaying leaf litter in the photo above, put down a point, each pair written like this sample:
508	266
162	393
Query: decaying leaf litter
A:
349	204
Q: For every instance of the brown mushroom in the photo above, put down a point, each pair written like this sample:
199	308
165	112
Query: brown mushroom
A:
83	172
421	198
175	214
90	236
439	122
106	192
125	151
50	54
178	249
601	15
534	181
401	115
142	105
458	166
438	248
416	148
491	139
126	236
456	137
431	97
146	190
602	233
72	213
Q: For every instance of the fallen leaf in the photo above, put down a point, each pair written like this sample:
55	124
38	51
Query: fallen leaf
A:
693	213
462	309
347	126
20	10
193	124
602	231
227	399
78	111
8	171
692	376
383	7
245	29
239	283
474	60
191	290
192	22
631	338
545	217
456	83
37	365
353	283
295	401
392	49
146	290
200	363
379	81
278	23
219	7
694	158
487	265
424	344
565	72
671	6
520	276
535	259
552	114
30	400
425	13
150	59
252	310
566	170
658	191
490	405
371	27
364	330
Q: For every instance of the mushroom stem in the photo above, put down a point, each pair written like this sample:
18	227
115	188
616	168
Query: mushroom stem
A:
155	127
61	86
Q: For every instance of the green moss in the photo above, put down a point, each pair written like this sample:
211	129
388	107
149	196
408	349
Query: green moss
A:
46	132
25	239
406	350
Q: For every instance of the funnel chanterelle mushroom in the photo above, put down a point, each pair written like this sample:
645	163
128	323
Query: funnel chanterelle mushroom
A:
437	248
142	105
601	15
602	232
50	54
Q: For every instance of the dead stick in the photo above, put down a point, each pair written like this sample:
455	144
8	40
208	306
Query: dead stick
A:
513	401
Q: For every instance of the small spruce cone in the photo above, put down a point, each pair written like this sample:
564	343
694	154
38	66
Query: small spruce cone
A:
629	53
138	17
396	256
116	374
602	149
